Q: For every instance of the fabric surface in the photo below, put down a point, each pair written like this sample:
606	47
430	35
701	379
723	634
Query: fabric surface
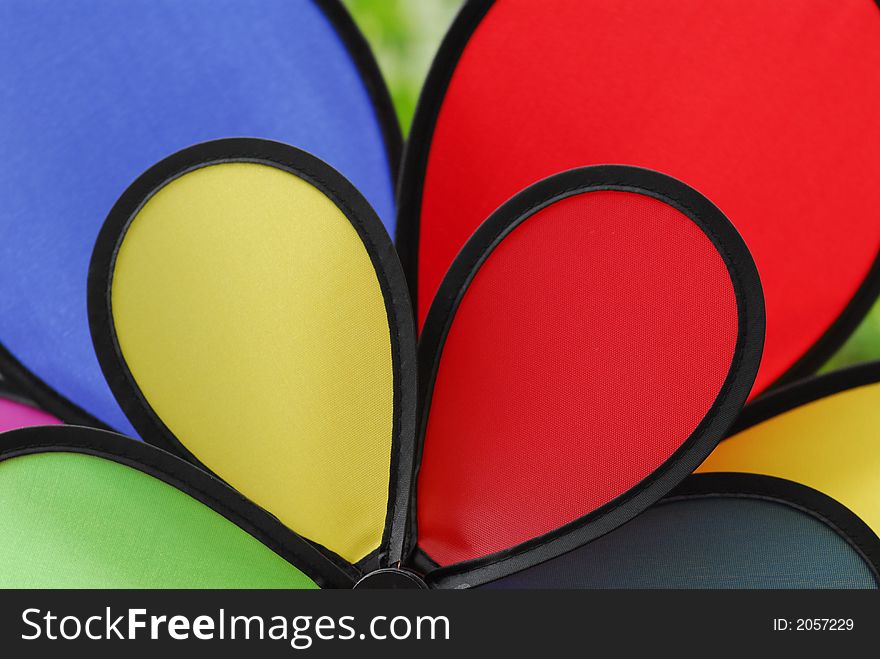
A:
91	96
586	350
76	521
767	108
18	415
831	445
250	316
708	543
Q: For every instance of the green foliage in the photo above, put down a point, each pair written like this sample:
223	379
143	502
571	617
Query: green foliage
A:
405	35
862	346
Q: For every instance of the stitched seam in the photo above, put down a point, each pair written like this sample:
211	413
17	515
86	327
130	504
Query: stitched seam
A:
384	284
726	389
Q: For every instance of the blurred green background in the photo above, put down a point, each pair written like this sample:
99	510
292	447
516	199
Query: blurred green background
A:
405	35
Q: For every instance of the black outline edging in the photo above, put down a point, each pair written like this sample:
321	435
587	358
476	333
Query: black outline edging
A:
44	397
829	512
10	394
727	405
804	392
47	398
198	484
365	61
421	134
377	245
825	509
415	162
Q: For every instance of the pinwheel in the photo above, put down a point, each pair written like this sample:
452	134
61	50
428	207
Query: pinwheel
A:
588	333
250	315
788	501
769	110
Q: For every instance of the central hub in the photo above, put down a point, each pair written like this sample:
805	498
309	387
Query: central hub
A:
391	578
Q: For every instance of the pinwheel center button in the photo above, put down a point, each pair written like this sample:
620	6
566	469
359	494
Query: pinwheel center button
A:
391	578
